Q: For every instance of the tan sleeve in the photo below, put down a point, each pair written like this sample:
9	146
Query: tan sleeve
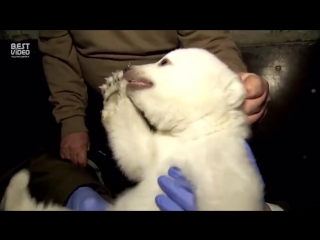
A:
64	77
217	42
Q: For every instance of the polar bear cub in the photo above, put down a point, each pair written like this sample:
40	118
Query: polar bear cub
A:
195	103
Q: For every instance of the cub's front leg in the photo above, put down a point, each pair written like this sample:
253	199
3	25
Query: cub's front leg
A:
129	135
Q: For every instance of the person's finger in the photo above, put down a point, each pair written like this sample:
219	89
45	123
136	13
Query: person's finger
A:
249	151
254	106
251	156
177	175
166	204
264	114
254	85
253	160
256	117
82	158
176	193
73	156
64	153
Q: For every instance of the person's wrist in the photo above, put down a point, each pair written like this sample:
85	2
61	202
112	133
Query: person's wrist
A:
73	125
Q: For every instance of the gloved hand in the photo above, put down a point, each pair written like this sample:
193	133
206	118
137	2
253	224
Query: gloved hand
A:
179	196
86	199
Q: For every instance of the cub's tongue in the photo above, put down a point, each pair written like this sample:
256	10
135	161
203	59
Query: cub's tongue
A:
137	85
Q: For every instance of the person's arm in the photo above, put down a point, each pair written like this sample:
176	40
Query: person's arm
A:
64	77
217	42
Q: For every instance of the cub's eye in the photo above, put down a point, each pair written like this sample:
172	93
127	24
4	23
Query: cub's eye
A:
164	62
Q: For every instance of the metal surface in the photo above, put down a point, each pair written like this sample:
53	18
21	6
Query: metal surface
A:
267	37
286	68
285	142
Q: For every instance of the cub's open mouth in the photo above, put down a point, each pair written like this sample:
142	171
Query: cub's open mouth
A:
138	84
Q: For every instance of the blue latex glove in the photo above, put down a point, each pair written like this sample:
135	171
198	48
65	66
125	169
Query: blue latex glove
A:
179	196
86	199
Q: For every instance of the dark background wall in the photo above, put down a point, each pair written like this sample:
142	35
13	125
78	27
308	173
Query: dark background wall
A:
286	142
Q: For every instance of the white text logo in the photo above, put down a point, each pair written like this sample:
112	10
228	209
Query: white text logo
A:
20	50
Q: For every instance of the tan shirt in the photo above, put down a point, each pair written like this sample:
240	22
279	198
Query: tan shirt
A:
74	56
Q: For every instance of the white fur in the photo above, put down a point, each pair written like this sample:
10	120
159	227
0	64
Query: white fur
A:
18	198
195	104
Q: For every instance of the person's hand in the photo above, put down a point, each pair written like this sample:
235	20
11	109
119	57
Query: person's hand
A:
255	104
75	146
178	194
86	199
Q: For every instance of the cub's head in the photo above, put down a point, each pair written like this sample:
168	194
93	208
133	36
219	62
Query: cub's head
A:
183	87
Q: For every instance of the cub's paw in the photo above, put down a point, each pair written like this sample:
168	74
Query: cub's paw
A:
112	92
112	85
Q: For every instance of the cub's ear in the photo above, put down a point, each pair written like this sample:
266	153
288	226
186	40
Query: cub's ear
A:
103	88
